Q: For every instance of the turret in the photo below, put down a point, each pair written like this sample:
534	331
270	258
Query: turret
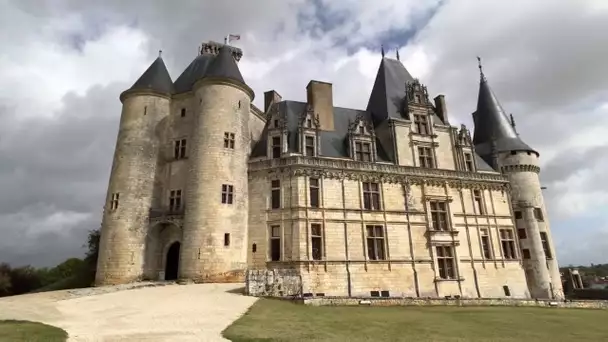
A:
130	191
216	215
497	142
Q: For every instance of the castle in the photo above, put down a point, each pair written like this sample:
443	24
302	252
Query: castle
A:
386	201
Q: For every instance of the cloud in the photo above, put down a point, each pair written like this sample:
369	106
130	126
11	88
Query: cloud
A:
64	64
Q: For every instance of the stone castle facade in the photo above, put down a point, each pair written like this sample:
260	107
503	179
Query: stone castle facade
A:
387	201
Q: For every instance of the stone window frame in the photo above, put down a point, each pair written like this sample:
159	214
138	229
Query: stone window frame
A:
445	211
361	131
319	236
227	194
180	148
276	188
544	240
175	200
469	165
508	239
309	126
277	127
446	260
485	232
538	214
368	195
275	233
377	240
432	155
479	202
114	201
229	140
314	189
418	121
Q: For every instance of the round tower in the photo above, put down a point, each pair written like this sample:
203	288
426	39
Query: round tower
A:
498	143
216	200
539	261
126	211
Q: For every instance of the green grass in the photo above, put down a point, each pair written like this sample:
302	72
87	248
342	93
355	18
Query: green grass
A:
275	320
17	331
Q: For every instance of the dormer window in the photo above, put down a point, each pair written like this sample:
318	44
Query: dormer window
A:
421	123
363	151
468	162
309	146
276	147
308	123
275	123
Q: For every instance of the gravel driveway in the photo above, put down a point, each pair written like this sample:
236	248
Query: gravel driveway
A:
123	313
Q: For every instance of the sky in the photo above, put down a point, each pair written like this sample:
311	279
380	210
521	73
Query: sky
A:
63	64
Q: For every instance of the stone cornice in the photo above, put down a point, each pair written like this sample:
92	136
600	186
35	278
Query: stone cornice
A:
386	173
149	92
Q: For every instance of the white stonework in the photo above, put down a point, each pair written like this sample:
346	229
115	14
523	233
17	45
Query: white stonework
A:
466	255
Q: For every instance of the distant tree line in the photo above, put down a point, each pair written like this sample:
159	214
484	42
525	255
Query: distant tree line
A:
72	273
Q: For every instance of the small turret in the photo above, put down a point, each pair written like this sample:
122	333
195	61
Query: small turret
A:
155	79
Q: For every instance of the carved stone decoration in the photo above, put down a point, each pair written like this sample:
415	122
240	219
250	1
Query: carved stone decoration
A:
409	198
309	113
360	120
274	113
464	136
416	88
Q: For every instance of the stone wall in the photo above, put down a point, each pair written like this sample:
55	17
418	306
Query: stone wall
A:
328	301
276	283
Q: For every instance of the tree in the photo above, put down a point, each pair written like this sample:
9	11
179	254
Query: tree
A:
5	279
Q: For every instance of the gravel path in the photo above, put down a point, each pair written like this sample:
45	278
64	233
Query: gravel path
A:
139	312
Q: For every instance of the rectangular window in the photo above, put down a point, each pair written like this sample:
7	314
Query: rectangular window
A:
275	243
375	243
508	244
316	241
446	262
363	151
371	196
421	122
518	215
179	151
275	194
226	239
308	122
310	146
425	157
114	201
314	192
175	200
229	140
479	207
538	214
468	162
183	112
486	247
227	193
521	234
439	215
545	241
525	253
276	147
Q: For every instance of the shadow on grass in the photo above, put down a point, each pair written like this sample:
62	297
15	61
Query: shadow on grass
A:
14	331
240	290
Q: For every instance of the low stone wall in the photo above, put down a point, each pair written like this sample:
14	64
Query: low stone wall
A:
275	283
374	301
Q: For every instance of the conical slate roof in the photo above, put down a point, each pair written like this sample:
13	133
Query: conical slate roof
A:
194	72
156	77
491	123
386	98
224	66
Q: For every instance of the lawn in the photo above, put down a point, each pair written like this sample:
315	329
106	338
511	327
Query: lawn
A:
17	331
275	320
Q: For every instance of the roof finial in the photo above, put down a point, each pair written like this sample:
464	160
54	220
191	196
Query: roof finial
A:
382	49
480	68
398	54
513	123
160	53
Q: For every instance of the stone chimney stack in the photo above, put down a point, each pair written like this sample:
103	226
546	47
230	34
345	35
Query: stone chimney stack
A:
441	109
271	97
319	95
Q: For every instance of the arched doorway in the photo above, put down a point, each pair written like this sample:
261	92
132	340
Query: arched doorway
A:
172	264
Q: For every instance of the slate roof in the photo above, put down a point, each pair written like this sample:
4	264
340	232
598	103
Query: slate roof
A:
225	66
491	122
156	77
194	72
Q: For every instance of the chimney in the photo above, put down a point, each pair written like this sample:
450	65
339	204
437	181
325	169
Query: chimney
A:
271	97
319	96
441	110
